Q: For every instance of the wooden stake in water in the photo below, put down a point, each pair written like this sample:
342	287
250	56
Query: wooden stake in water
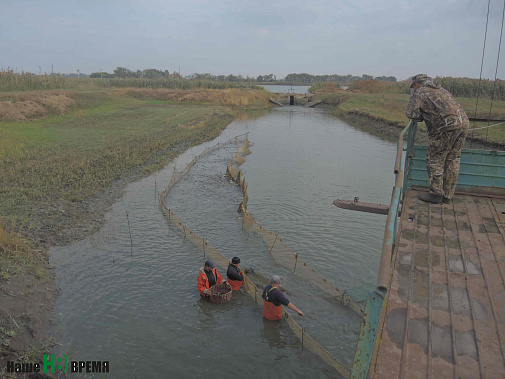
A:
276	235
129	230
303	331
296	261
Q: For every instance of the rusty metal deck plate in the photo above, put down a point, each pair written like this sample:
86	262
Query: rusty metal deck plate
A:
445	317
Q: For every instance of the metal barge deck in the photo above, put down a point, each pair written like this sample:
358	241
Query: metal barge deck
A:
445	316
439	307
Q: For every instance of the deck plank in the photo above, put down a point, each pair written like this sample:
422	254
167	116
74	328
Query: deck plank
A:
445	317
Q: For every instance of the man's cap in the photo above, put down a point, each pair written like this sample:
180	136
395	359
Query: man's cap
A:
235	260
275	279
419	78
208	262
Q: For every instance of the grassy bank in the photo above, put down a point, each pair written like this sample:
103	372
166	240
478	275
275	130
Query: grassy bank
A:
50	166
62	166
387	110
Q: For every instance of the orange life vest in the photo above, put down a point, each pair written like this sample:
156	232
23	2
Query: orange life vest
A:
235	284
203	282
270	310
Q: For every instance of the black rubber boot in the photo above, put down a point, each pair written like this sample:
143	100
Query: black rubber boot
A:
446	200
431	198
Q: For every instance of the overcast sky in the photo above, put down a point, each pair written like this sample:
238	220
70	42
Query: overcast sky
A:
399	38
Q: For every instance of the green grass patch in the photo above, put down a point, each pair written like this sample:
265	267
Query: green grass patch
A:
51	165
391	108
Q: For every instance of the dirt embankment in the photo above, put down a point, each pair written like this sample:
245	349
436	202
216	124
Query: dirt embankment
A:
26	297
32	106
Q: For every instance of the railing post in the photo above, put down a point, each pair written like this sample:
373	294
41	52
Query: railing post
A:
367	335
411	139
375	302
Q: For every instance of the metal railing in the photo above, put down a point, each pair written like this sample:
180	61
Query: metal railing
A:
390	232
376	300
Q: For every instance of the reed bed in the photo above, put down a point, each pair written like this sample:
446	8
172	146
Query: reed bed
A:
171	83
466	87
10	81
326	87
374	86
459	87
226	97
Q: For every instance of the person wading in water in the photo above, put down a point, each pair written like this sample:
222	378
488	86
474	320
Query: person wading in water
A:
235	277
275	299
207	277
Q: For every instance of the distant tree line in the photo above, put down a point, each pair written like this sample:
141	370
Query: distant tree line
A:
151	73
153	78
234	78
123	72
342	79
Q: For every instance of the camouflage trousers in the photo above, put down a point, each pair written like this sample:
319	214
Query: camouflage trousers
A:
443	159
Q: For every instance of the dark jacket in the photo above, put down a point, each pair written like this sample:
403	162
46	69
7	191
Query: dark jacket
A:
234	273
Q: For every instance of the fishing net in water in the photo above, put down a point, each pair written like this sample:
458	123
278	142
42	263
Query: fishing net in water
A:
177	175
279	250
254	281
233	171
253	285
284	256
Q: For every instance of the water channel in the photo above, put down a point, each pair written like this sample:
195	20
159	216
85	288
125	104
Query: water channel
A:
128	293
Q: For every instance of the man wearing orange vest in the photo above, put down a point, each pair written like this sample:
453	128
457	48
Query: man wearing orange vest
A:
207	277
274	299
235	277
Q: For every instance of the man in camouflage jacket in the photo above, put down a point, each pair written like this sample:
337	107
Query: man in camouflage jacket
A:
447	125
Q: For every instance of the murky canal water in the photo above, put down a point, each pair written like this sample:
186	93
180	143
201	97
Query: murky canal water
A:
132	300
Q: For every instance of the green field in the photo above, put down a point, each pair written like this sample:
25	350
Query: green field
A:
391	108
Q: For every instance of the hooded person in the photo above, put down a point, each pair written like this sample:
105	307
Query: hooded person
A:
447	125
274	299
207	277
234	275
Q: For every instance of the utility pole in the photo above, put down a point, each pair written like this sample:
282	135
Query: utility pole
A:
40	70
52	69
77	73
